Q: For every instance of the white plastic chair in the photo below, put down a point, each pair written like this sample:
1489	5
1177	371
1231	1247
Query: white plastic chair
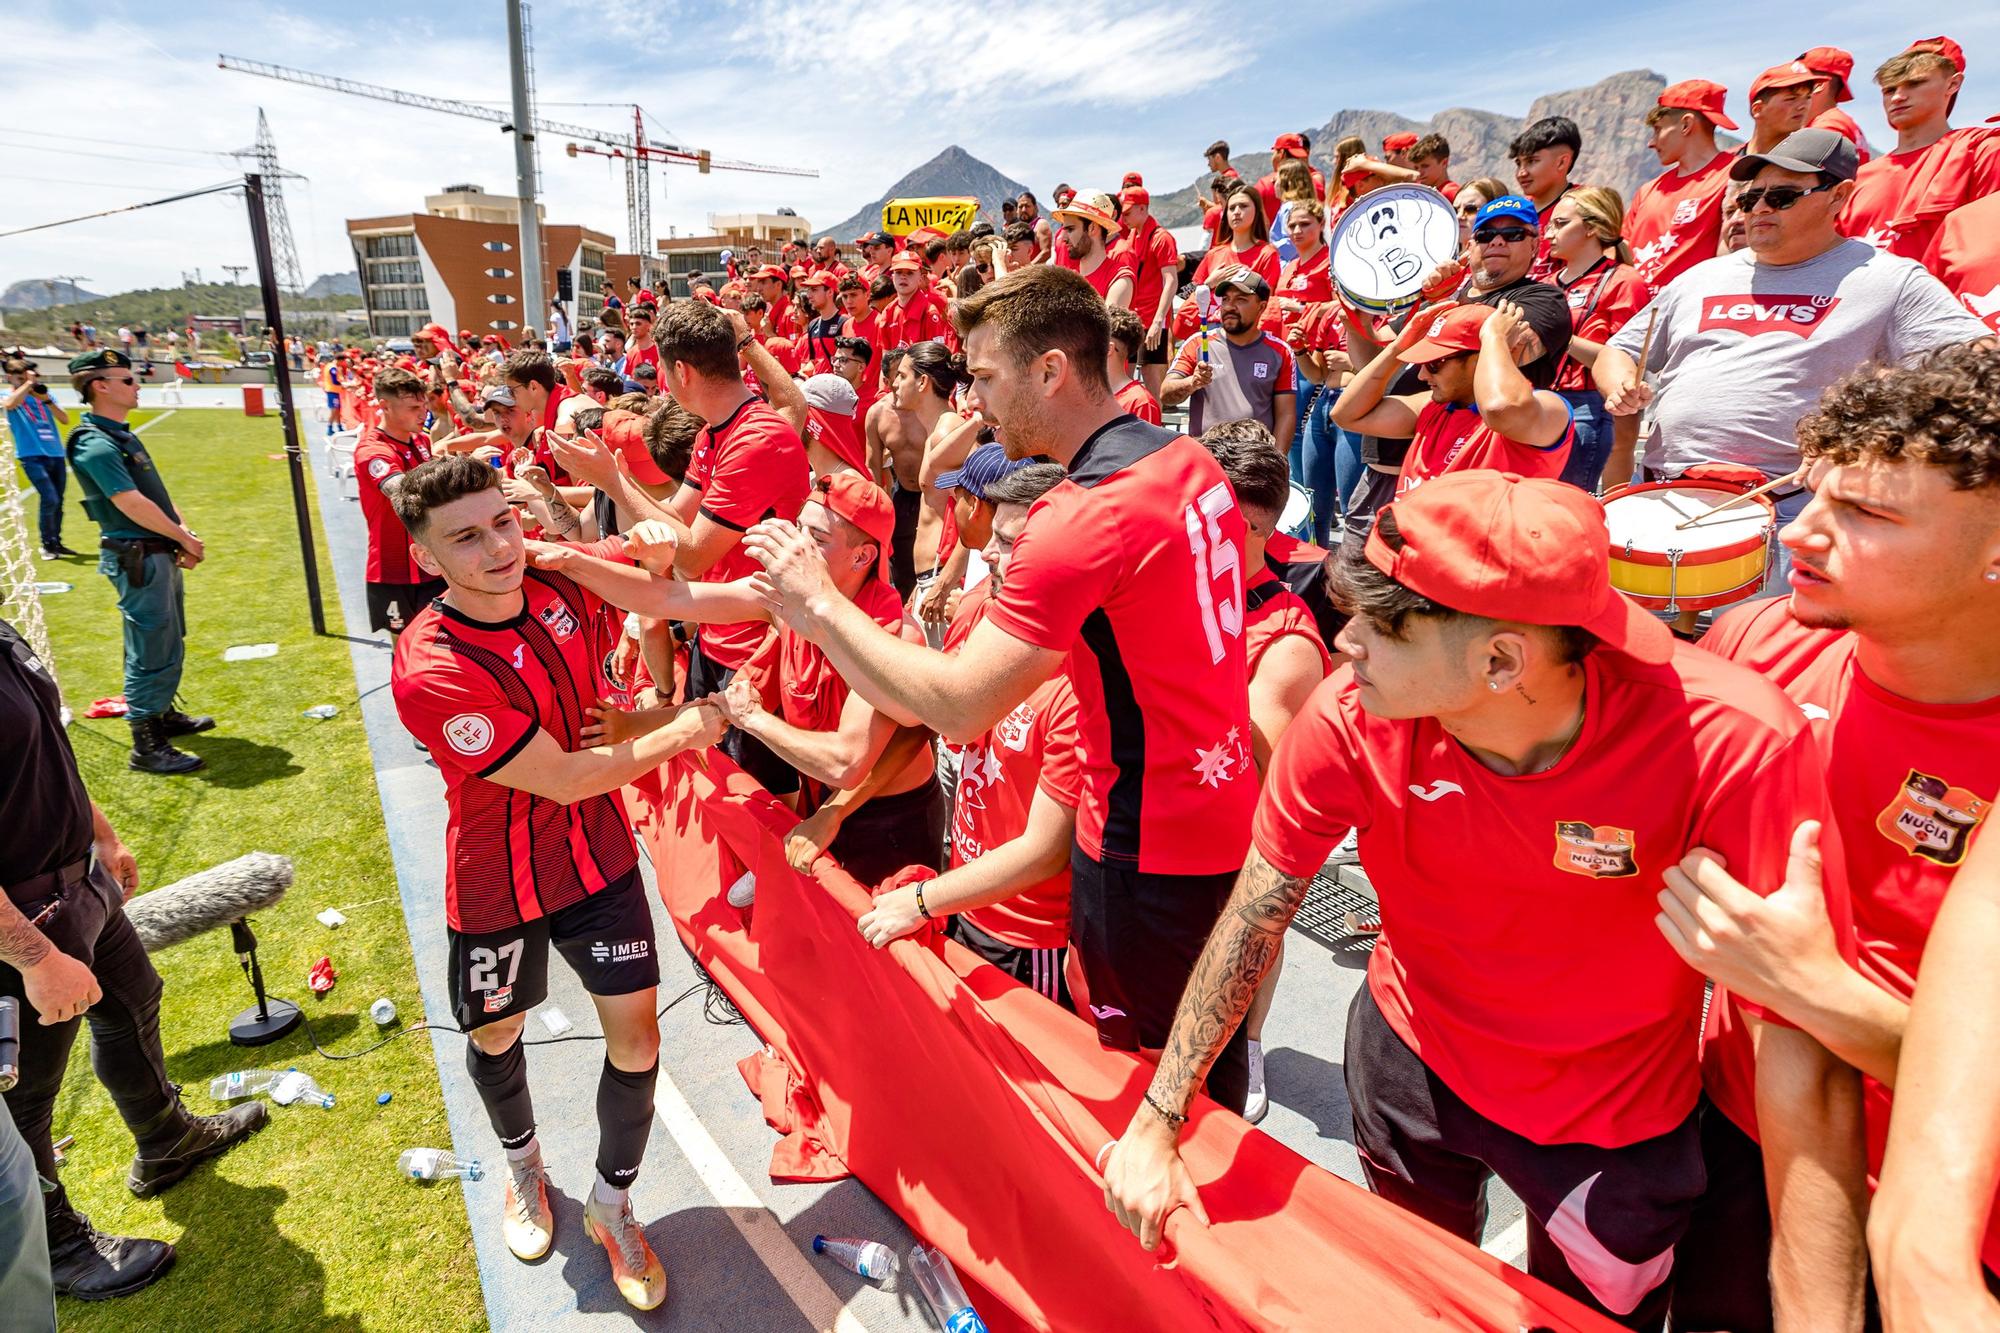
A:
171	392
340	452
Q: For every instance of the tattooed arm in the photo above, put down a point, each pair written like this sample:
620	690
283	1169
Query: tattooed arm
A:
1144	1179
58	986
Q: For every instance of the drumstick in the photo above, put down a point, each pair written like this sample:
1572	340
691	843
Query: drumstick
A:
1768	486
1646	347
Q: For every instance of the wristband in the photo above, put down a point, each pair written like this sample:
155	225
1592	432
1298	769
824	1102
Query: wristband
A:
748	338
922	910
1174	1120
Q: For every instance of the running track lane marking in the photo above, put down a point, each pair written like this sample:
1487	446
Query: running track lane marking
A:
145	426
756	1223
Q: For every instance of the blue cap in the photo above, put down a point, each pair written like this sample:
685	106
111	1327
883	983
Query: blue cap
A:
1508	206
981	468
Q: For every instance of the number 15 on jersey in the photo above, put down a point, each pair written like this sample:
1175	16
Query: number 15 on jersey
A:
1216	562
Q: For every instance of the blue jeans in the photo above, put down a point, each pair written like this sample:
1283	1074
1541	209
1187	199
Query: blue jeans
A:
46	475
155	615
1592	448
1329	466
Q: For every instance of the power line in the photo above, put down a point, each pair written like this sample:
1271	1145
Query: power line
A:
117	143
81	152
128	208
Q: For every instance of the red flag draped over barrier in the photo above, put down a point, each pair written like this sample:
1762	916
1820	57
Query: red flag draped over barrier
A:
975	1108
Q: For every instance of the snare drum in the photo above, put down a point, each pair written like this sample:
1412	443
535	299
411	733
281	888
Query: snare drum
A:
1297	520
1387	243
1712	562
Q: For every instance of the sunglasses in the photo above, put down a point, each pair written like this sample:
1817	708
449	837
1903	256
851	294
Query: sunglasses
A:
1511	235
119	379
1779	197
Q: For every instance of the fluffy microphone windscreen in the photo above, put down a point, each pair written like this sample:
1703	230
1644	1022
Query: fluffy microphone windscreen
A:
209	898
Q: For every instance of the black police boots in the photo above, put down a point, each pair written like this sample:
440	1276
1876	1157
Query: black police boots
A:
91	1266
181	724
152	753
165	1156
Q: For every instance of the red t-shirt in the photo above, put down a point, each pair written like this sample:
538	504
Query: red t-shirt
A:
868	328
1901	199
1110	268
1262	257
921	320
379	456
1133	565
1273	611
810	692
1909	784
1035	745
1155	258
1451	437
1675	221
1267	190
1307	280
1965	255
749	467
1518	955
476	693
1833	118
1136	398
1600	303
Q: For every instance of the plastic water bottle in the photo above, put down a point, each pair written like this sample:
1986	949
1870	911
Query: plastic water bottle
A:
870	1258
437	1164
321	712
292	1086
383	1011
243	1083
939	1284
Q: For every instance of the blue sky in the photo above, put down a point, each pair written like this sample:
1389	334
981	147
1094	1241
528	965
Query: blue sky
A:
132	105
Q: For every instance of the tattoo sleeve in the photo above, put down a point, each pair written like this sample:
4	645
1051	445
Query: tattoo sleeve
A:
1240	950
21	944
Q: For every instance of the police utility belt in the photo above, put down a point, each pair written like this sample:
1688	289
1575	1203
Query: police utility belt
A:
132	553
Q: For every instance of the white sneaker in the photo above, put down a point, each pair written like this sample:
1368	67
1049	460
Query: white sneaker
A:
1258	1102
525	1219
744	891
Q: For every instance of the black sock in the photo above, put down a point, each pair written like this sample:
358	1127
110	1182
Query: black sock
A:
624	1118
502	1081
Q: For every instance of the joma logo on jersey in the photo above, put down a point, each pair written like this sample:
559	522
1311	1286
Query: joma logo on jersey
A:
560	620
619	951
1931	818
1752	315
1601	851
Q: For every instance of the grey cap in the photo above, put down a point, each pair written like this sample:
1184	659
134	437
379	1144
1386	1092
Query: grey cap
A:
831	393
503	394
1806	151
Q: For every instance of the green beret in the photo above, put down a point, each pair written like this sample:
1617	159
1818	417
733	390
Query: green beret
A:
104	358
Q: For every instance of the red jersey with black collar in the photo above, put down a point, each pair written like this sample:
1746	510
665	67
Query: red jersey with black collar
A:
379	457
1273	611
476	693
1133	565
1579	1024
1910	786
749	466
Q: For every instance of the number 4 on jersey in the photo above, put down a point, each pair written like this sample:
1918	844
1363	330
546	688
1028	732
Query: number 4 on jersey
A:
1214	559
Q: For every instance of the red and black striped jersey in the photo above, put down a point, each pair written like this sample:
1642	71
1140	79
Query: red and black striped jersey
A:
476	693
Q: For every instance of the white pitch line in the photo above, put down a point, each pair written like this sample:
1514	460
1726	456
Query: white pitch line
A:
756	1223
1511	1245
146	426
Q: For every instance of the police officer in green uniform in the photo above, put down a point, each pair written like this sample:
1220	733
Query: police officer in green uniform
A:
145	548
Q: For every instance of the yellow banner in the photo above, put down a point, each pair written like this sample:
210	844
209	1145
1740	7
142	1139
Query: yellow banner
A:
900	217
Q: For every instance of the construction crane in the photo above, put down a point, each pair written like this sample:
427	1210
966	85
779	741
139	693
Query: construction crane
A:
633	149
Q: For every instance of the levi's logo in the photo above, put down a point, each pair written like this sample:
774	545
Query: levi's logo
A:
1752	315
1600	851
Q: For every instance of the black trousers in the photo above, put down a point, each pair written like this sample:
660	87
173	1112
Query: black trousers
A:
706	676
891	832
90	926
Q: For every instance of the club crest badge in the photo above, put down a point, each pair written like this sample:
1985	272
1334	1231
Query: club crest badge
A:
1600	851
1931	818
561	621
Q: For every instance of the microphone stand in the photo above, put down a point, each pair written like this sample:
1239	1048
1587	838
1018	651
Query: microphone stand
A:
268	1019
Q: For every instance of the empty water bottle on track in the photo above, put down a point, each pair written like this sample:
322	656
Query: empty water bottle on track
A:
939	1283
870	1258
292	1086
243	1083
437	1164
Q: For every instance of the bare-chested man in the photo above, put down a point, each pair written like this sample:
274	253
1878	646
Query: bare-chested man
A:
895	444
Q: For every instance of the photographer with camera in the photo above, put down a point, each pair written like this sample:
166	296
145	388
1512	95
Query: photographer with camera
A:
69	954
33	421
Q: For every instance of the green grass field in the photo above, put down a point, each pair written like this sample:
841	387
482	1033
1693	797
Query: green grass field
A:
307	1225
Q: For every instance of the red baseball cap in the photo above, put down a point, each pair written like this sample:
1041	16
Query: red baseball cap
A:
1943	46
818	278
1397	142
1292	145
1835	64
1788	75
1132	178
864	504
906	261
1453	330
1136	195
1532	550
1701	97
771	271
626	432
